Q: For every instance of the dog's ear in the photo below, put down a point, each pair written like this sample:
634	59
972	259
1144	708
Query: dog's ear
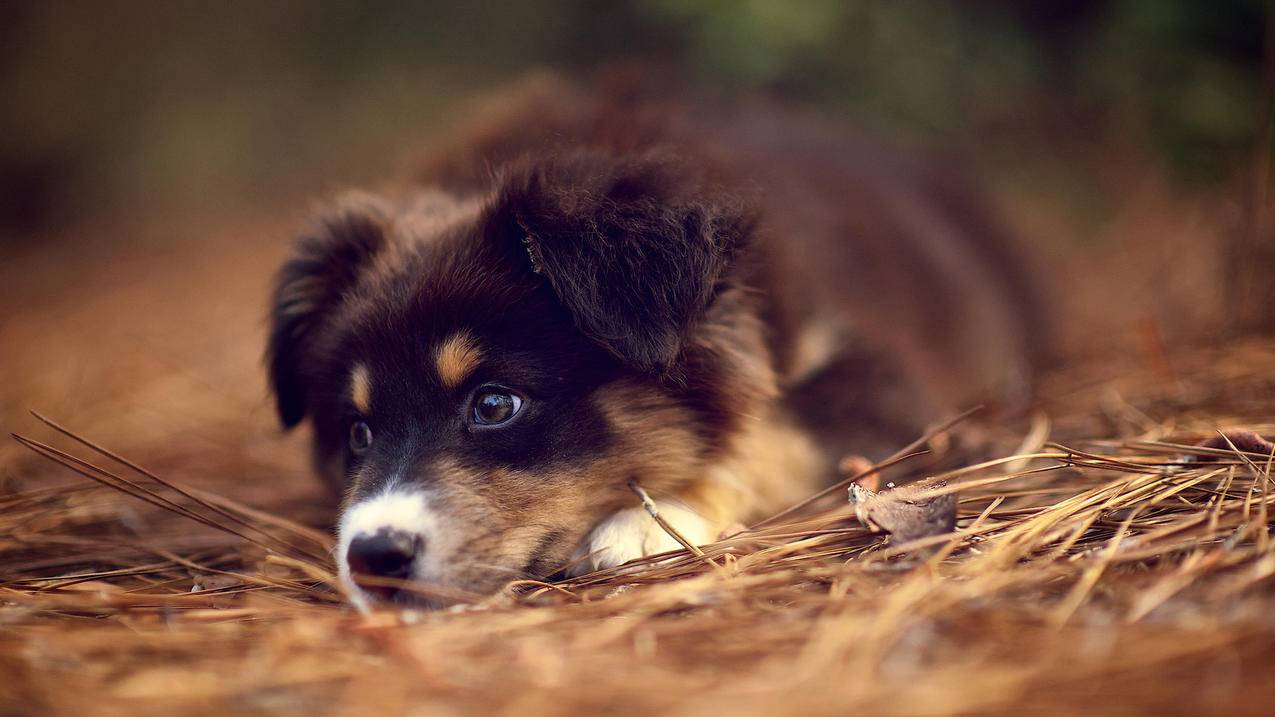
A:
309	287
634	249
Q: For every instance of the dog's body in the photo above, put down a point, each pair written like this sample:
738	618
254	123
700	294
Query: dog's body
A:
589	292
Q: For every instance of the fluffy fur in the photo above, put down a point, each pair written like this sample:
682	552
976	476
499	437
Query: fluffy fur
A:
717	314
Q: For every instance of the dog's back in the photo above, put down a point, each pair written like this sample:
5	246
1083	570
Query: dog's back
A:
890	295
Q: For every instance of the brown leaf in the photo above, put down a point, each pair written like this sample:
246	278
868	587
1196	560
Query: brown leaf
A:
214	582
904	518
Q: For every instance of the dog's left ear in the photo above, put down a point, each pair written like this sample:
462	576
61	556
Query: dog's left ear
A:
635	249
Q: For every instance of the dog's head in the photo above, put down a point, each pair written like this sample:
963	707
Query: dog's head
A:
485	375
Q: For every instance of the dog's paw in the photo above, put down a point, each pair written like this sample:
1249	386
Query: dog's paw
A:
632	533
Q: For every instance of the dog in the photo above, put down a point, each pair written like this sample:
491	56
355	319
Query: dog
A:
594	289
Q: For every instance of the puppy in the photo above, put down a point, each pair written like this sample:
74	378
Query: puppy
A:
592	289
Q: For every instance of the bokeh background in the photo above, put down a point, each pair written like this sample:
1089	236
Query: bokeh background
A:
156	157
1078	114
120	103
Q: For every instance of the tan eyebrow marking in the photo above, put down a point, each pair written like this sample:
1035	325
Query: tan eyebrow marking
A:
361	389
456	358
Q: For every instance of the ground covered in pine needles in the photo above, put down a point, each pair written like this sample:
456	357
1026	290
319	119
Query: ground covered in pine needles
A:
163	551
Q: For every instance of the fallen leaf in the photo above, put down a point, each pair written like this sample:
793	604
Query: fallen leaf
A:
904	518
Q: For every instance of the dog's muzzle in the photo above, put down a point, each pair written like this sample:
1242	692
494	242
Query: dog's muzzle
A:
384	540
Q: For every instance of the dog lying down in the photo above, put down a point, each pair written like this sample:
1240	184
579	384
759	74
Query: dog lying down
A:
594	289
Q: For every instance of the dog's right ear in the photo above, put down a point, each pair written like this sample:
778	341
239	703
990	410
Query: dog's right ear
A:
309	287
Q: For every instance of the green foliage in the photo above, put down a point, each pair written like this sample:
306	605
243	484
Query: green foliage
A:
1184	72
144	98
1188	71
913	65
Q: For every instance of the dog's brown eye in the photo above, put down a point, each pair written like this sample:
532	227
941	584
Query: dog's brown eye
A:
493	406
360	437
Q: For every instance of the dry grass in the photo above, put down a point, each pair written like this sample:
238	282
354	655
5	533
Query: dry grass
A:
1090	573
1085	575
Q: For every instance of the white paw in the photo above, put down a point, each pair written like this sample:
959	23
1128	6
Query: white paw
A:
632	533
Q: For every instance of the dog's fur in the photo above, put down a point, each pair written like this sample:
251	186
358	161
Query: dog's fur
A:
717	309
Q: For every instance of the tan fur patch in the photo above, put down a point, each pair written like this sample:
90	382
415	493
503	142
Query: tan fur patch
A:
768	465
771	465
817	345
456	358
499	519
361	389
657	442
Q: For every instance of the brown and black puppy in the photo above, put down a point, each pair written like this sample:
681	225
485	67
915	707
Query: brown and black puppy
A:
588	292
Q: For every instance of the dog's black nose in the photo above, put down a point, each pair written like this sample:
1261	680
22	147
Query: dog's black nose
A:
386	554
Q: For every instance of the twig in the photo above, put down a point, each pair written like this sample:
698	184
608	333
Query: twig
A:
651	508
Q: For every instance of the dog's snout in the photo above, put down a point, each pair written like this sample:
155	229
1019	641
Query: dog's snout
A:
383	542
386	554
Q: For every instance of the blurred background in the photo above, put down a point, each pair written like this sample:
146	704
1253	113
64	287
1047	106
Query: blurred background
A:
158	156
155	157
115	103
1071	110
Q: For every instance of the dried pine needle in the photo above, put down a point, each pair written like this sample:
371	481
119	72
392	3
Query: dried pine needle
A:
1086	572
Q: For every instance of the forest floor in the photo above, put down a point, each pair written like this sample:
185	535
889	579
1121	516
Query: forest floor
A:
1092	568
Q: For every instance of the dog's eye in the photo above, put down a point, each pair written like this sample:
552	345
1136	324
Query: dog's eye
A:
493	406
360	437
